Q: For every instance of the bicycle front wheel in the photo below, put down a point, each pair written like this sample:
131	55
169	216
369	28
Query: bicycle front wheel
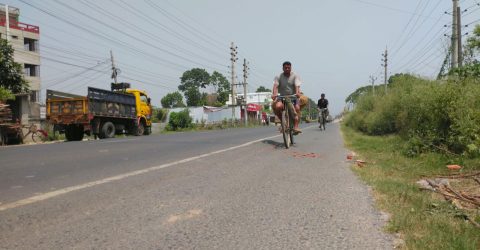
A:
324	120
290	127
285	128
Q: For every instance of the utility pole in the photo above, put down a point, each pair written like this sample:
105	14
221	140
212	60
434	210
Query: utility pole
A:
245	76
7	24
233	53
459	37
455	34
372	80
114	69
385	65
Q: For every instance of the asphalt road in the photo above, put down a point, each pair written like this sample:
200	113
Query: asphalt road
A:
227	189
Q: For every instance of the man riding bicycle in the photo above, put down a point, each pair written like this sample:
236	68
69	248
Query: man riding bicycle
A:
322	105
287	83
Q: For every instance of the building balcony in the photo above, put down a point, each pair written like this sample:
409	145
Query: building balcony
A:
20	26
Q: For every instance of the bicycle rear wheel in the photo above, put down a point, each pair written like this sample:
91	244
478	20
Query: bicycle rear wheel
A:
37	137
284	121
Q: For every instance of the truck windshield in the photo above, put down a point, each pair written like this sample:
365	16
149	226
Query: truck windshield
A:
143	98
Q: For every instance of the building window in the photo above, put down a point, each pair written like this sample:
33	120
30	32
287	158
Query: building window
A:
30	44
32	70
34	96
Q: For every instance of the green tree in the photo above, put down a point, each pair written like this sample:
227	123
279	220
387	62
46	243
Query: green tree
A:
263	89
473	41
191	82
5	94
11	77
471	67
353	97
222	87
172	100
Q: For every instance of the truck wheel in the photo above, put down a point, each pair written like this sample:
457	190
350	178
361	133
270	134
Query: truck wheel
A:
79	133
74	133
69	133
148	130
139	130
108	130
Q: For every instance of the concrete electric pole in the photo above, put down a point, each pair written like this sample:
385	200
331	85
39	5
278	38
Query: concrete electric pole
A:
114	69
245	76
233	53
459	37
7	23
372	80
385	65
455	34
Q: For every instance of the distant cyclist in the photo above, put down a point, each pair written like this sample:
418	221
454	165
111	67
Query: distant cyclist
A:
287	83
323	104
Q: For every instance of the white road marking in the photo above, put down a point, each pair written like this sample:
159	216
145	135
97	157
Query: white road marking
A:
118	141
66	190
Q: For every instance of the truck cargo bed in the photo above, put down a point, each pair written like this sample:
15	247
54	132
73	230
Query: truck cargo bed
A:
112	104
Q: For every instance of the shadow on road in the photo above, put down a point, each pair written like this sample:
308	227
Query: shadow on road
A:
276	144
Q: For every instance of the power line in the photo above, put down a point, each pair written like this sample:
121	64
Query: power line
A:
140	30
154	22
186	26
115	41
129	35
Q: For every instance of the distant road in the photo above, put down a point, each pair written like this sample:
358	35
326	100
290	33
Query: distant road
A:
225	189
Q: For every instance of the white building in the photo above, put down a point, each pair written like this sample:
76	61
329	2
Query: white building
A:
24	39
261	98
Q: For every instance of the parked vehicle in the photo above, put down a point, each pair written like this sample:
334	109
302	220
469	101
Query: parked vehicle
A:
101	113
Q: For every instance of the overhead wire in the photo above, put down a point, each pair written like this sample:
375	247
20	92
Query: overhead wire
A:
156	23
186	26
125	45
129	35
137	28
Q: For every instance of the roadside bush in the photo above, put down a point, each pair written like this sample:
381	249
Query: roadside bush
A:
160	114
429	115
179	120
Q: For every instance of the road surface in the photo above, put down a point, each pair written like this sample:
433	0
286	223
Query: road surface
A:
225	189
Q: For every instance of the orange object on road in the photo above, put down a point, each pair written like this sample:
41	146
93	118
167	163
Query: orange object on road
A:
454	167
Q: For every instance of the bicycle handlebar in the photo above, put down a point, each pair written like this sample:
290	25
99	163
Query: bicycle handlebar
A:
286	96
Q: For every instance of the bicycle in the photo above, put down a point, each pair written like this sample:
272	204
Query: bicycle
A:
38	135
322	118
287	119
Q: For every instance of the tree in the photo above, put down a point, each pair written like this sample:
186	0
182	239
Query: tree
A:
471	67
191	82
263	89
172	100
473	42
11	77
222	87
5	94
353	97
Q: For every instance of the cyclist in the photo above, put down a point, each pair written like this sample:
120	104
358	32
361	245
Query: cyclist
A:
322	104
287	83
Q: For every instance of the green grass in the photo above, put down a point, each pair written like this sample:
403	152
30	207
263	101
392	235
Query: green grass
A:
423	219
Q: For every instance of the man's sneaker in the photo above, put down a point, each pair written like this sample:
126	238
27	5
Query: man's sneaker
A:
296	131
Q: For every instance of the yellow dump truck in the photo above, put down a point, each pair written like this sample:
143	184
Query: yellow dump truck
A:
102	113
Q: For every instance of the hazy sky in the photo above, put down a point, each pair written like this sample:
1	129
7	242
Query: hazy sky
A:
333	45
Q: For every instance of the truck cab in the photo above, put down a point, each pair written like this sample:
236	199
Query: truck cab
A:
144	108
